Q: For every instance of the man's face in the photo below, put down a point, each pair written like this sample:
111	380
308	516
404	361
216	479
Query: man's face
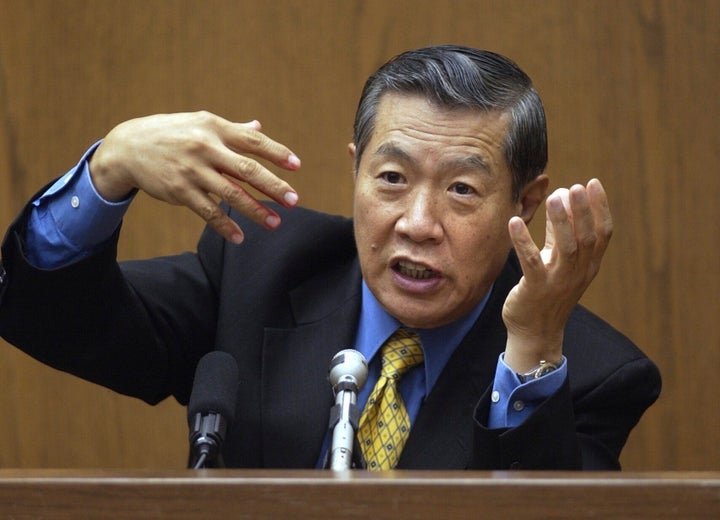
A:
433	197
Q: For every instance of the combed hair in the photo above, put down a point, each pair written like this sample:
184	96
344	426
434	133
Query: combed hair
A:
453	76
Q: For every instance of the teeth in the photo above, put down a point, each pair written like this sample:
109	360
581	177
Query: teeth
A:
414	270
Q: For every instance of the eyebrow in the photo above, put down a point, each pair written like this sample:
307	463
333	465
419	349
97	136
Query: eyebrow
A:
468	162
393	151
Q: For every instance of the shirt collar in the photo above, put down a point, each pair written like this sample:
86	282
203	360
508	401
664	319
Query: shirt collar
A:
439	343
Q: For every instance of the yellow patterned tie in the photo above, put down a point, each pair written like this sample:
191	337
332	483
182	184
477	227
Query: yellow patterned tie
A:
384	424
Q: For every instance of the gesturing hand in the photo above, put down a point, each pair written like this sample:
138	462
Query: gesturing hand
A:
578	228
193	159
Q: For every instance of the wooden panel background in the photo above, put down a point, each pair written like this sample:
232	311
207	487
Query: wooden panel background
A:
630	91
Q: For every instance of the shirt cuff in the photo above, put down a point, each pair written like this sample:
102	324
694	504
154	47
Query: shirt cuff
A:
70	220
512	402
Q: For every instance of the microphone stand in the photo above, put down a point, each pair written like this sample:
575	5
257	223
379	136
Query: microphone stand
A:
347	375
343	424
206	436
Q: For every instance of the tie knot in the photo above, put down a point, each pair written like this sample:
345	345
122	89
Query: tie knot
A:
400	353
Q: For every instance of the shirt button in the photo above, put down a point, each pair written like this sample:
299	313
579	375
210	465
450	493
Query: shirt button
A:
495	396
518	406
75	201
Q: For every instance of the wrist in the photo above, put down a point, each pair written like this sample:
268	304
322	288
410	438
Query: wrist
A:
107	176
525	353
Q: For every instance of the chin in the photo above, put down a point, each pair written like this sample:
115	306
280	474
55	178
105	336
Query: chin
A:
416	313
421	320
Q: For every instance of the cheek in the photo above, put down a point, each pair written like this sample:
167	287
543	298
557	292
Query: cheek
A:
368	232
363	202
373	219
482	234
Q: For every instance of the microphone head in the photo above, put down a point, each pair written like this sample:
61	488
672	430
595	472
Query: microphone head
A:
348	365
215	386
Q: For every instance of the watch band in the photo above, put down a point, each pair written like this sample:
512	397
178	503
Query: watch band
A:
545	367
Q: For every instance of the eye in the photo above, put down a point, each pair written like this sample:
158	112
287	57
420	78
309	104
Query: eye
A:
392	177
462	189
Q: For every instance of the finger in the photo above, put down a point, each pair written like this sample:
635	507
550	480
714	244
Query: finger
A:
601	212
527	252
248	170
209	210
237	197
584	224
254	125
242	138
564	195
564	242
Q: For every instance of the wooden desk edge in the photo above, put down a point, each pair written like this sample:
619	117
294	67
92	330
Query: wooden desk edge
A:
181	494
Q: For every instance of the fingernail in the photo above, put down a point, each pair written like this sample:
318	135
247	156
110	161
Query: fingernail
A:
578	195
293	161
237	238
555	203
272	221
291	198
516	224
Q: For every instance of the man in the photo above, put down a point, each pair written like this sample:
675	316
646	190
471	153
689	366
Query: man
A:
449	150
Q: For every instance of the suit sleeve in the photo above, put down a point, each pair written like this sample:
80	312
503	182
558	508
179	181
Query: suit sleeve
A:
569	431
136	328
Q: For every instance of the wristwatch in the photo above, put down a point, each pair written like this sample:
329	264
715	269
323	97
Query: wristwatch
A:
545	367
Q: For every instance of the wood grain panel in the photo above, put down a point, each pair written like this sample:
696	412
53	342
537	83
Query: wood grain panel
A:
629	91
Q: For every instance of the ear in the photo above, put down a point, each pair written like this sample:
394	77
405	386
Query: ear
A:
532	196
352	150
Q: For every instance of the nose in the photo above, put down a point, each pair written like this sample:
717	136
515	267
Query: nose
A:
420	218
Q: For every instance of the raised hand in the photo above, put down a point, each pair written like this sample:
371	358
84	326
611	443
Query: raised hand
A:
578	229
194	160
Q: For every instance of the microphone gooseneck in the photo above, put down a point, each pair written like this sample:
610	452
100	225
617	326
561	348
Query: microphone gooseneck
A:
347	375
211	409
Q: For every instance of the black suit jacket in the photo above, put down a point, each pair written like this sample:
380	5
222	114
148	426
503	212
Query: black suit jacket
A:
283	303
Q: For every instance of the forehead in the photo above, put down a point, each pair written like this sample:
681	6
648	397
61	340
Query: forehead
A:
416	126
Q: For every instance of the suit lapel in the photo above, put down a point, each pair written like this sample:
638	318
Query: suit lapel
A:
296	397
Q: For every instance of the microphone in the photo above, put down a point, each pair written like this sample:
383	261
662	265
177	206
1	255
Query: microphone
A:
211	409
347	374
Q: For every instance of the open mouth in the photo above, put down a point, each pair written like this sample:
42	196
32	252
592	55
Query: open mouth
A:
414	271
